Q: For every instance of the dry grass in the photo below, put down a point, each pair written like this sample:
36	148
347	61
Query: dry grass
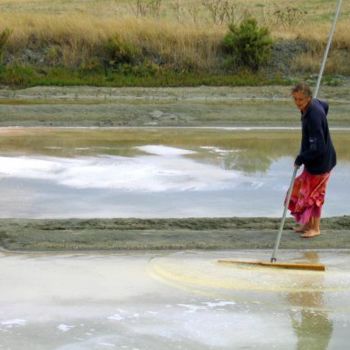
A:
337	63
80	36
182	33
317	11
338	60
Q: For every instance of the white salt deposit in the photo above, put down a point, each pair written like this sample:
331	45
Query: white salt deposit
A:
115	317
161	182
153	173
14	323
164	150
65	327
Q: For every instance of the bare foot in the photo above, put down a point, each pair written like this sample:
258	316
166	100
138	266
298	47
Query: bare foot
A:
310	234
300	229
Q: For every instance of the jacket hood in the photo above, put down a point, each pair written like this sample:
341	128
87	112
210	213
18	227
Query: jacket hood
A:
322	104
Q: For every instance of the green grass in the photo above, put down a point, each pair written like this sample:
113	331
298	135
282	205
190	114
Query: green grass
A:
24	76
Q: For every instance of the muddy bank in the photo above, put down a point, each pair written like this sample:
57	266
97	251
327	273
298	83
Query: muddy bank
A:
186	106
147	234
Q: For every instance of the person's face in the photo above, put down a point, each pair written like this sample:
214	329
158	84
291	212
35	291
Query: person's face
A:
301	101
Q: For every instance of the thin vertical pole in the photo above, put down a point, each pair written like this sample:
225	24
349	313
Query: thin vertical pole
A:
330	38
279	235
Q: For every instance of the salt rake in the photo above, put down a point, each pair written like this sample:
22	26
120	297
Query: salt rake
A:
283	265
273	260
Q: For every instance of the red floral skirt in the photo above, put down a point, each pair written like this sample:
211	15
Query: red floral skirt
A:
308	196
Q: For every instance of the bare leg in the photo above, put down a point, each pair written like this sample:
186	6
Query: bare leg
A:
314	228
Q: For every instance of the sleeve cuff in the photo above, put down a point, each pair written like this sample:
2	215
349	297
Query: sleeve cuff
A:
298	160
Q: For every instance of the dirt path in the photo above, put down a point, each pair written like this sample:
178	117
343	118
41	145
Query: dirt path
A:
185	106
145	234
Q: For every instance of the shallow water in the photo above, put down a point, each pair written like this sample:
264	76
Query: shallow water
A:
155	172
182	300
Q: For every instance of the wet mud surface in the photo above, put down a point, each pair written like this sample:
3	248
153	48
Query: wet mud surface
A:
158	234
179	106
173	300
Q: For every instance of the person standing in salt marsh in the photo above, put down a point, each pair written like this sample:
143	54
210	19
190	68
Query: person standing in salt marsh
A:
318	156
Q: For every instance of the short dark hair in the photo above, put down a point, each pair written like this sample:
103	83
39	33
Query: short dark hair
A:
304	88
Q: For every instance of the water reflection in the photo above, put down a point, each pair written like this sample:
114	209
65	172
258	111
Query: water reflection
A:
249	151
153	173
310	321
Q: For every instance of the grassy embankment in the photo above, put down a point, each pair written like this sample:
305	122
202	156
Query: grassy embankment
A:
177	43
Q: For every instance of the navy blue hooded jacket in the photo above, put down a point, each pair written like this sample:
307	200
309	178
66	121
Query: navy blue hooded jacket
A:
317	151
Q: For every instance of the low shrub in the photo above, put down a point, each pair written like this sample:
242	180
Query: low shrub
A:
17	75
119	52
248	45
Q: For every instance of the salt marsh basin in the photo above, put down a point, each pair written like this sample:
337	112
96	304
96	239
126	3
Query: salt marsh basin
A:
156	300
155	172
